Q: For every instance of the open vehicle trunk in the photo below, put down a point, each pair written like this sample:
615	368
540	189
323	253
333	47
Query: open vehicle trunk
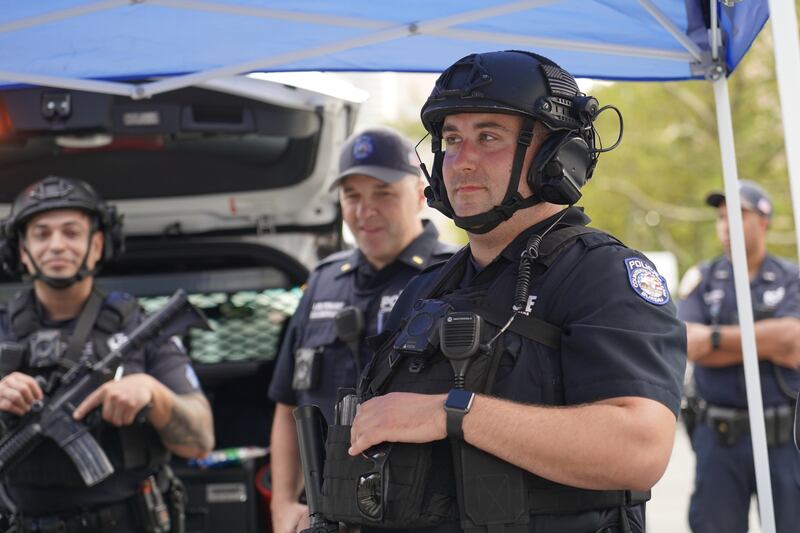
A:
224	189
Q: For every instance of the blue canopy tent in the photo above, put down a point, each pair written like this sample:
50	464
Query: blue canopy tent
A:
139	48
136	39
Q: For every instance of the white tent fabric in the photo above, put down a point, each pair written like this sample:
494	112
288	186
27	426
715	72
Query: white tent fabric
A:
140	48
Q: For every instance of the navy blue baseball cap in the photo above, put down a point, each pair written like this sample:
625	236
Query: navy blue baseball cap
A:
753	198
380	153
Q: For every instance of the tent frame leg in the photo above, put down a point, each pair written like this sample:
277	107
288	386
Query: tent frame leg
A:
783	19
744	305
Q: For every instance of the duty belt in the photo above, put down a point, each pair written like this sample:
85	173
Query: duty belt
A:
730	424
101	520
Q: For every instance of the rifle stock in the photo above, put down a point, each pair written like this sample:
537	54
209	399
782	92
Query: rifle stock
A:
52	417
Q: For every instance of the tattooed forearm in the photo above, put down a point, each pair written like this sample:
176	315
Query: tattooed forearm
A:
190	424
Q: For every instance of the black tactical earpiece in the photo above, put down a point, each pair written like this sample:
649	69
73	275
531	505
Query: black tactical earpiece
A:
563	165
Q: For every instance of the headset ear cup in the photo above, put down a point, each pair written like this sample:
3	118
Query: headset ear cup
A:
115	236
540	178
561	167
9	253
8	257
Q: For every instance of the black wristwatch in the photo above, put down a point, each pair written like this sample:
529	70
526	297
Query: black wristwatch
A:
716	337
457	405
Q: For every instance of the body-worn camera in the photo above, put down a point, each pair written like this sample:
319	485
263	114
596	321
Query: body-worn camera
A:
46	348
420	336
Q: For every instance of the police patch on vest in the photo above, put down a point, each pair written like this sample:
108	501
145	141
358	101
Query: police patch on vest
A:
646	281
774	297
322	310
387	304
388	301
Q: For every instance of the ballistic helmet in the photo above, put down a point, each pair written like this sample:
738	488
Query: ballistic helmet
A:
535	88
54	193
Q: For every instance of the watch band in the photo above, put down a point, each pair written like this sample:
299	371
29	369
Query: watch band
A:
456	407
455	419
716	337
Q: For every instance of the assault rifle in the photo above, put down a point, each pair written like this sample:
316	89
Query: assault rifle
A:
51	417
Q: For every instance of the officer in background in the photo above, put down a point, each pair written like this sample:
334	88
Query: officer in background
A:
381	196
559	346
725	476
59	233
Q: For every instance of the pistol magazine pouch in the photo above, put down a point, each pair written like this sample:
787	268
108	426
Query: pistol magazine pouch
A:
404	491
492	494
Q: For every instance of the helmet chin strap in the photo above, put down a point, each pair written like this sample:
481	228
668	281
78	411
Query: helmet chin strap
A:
61	283
512	202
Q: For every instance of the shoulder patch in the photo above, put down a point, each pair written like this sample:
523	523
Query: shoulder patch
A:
335	257
646	281
689	282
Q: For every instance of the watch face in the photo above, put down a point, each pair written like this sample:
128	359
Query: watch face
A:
458	399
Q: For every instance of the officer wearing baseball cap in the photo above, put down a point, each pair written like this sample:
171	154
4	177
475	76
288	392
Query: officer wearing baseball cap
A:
752	197
348	296
380	153
716	409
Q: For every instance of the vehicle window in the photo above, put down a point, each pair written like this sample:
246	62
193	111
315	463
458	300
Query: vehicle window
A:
153	166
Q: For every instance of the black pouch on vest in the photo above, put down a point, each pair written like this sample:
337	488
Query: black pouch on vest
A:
393	488
10	357
494	492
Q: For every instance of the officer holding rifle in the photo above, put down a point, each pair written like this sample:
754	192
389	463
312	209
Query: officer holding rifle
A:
58	234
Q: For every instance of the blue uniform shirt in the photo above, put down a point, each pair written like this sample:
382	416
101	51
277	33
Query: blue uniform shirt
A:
340	280
710	298
619	336
617	339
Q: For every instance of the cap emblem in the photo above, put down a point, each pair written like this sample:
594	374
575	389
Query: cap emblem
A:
363	147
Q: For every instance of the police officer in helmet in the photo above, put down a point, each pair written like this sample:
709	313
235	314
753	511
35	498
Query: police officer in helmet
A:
725	476
532	382
58	234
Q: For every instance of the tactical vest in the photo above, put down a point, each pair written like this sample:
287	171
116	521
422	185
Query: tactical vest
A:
421	483
130	447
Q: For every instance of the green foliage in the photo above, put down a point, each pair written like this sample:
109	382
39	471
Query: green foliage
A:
650	191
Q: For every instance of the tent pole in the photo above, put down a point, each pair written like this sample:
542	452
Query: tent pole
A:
744	304
783	18
63	14
387	34
515	39
677	33
76	84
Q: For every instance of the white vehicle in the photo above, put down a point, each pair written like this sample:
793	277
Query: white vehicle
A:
224	189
